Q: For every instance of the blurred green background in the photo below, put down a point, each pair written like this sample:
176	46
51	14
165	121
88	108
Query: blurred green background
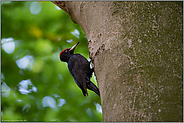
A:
35	84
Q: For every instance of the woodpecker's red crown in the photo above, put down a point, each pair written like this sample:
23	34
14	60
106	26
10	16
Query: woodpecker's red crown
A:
63	51
71	50
66	53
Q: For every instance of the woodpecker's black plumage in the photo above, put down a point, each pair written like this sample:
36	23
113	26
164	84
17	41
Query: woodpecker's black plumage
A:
79	68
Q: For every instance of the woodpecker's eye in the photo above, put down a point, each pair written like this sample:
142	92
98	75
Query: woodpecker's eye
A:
66	51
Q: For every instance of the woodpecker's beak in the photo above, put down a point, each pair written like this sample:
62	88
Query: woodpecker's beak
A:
72	49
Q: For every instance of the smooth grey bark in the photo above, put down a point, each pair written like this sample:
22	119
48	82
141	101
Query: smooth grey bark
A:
137	51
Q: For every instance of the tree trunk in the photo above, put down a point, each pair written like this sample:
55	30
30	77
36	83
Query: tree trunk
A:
137	50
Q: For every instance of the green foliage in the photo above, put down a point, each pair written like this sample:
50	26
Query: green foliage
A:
35	84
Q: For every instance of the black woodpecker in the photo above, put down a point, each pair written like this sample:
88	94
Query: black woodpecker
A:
79	68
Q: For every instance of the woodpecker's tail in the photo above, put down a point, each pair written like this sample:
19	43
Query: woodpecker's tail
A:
93	87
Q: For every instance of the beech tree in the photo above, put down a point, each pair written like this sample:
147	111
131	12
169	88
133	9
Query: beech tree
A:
136	49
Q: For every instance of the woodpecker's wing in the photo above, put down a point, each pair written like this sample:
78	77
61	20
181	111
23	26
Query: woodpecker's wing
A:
77	65
81	83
